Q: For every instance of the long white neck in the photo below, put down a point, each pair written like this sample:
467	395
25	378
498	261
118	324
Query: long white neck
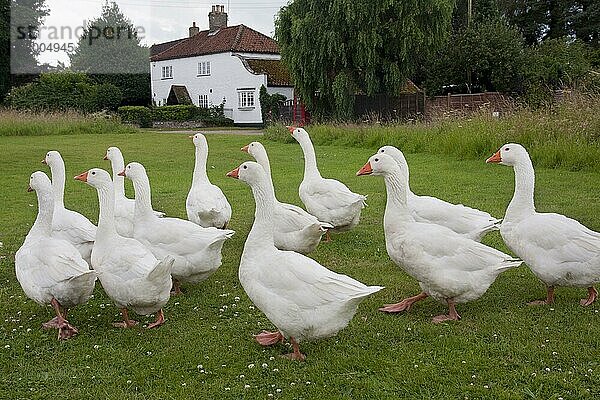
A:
262	229
143	197
118	164
262	159
200	167
522	202
310	160
106	219
396	209
43	221
58	182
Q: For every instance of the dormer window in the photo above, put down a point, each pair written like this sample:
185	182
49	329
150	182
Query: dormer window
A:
204	68
167	72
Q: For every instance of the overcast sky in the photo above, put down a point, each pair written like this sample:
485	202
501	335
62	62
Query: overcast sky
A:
162	20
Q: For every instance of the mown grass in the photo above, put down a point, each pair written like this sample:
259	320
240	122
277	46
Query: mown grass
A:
23	123
501	348
566	136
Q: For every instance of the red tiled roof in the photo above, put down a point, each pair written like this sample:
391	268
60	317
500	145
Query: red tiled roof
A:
237	38
277	73
160	47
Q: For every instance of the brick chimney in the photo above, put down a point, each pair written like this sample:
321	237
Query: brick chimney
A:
217	18
194	29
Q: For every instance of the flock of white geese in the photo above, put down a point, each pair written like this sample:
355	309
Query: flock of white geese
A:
141	256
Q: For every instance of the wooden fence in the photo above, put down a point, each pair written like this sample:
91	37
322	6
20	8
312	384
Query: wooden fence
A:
493	101
386	108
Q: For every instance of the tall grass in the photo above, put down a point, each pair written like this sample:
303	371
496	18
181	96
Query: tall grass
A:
564	136
23	123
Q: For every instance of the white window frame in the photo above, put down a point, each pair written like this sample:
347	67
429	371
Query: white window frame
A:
166	72
204	68
246	98
203	101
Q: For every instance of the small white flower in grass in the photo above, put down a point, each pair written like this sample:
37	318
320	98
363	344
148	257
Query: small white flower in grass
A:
308	382
486	386
464	362
473	376
223	365
199	366
214	327
270	395
264	365
176	303
227	388
246	386
236	298
251	307
148	353
271	358
272	385
7	346
275	369
242	376
128	381
292	383
250	366
278	390
547	369
554	353
416	365
552	309
409	329
28	330
533	374
590	370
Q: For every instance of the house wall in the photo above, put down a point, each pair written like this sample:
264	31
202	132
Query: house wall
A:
228	75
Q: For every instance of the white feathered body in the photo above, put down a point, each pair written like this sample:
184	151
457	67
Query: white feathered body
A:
196	250
207	206
299	296
331	201
47	267
559	250
295	229
131	276
74	228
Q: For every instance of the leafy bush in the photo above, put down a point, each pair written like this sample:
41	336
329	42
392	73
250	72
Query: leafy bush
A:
139	115
178	113
65	91
270	104
26	123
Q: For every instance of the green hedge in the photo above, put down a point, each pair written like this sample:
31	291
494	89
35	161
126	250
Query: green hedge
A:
144	116
65	91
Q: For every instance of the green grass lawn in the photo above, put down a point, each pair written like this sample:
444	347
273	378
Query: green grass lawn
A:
501	348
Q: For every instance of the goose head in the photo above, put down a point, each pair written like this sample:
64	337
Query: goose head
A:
254	149
53	158
510	154
113	154
298	133
380	164
95	177
133	171
199	141
395	153
39	181
250	172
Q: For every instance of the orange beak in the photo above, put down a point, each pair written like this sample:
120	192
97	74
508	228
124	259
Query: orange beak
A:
245	148
122	173
496	158
105	157
365	170
29	189
234	173
291	129
191	137
44	161
82	177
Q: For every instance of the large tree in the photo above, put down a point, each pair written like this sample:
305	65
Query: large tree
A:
336	48
111	52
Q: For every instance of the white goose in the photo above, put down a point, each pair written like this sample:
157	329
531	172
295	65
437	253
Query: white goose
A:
206	205
124	207
327	199
559	250
197	250
130	275
467	221
303	299
448	266
294	228
67	224
51	270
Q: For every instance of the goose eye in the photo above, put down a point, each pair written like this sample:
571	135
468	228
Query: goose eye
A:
377	160
93	172
245	167
506	149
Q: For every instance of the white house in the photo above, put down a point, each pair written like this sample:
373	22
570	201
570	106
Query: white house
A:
224	64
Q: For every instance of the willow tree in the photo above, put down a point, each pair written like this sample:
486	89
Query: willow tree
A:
335	48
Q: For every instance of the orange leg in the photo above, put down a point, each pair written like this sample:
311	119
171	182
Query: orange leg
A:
65	330
592	294
296	355
549	298
127	323
266	338
452	314
404	305
160	319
